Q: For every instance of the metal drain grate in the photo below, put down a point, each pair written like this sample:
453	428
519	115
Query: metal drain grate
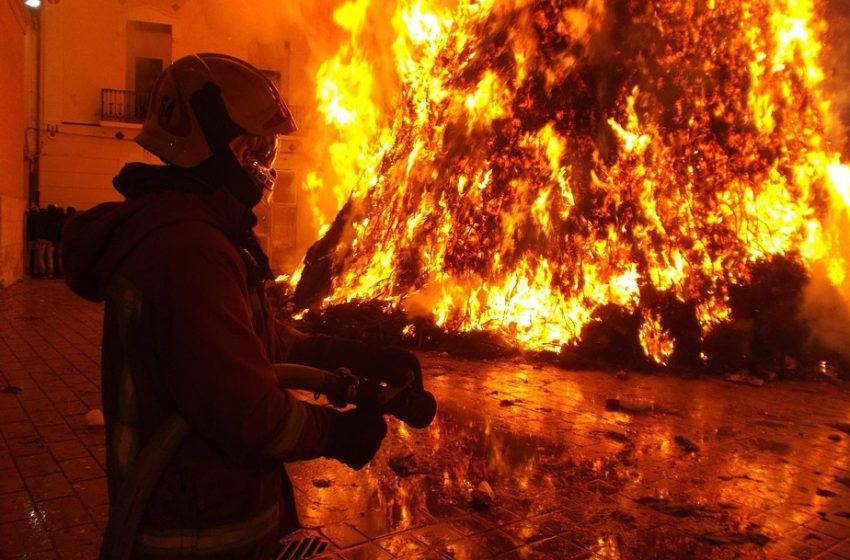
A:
299	549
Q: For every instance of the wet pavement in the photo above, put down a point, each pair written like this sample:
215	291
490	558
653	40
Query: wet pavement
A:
522	461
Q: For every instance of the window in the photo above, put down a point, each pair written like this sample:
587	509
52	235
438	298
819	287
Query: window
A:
148	52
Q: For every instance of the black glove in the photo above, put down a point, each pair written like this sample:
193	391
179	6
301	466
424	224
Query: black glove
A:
354	436
392	363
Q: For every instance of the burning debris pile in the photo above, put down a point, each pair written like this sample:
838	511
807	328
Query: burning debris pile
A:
644	182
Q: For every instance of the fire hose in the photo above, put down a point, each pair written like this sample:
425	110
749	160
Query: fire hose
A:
405	399
402	397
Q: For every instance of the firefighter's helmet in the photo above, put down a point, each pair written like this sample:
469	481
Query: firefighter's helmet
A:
202	101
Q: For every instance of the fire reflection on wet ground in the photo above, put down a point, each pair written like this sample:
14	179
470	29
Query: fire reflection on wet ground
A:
529	462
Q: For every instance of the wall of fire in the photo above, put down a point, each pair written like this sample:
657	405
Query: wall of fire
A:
14	24
92	45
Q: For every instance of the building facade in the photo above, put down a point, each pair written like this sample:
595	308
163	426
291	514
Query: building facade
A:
94	63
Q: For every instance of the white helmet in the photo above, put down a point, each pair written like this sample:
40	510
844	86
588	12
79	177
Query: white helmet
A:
203	101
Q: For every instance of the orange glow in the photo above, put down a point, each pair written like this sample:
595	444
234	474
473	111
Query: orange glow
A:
504	193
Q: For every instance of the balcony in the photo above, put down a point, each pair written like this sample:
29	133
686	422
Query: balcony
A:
118	105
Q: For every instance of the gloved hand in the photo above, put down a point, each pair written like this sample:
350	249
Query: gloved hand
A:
393	362
364	360
354	436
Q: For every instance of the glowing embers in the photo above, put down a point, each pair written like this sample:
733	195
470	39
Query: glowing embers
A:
540	167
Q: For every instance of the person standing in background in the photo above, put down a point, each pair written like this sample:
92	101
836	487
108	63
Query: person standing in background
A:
57	221
31	219
43	266
57	253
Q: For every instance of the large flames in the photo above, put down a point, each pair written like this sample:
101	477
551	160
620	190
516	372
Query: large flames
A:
546	158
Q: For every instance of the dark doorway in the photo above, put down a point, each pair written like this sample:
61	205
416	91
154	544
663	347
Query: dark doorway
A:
147	72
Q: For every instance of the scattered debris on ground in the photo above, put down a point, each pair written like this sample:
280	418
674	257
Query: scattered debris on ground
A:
614	436
405	465
94	418
634	405
679	509
775	447
483	496
727	538
727	478
744	379
841	427
687	445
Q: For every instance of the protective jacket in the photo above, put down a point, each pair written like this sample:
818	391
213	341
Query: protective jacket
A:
186	330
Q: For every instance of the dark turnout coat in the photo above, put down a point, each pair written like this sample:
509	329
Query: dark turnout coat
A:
186	331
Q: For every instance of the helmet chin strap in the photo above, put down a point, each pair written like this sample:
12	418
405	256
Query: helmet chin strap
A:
261	176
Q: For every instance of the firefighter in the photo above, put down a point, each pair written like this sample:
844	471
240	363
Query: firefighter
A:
197	429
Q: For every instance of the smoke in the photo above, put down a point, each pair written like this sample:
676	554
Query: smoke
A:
826	306
827	313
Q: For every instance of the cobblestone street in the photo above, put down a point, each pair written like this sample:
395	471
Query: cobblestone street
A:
686	469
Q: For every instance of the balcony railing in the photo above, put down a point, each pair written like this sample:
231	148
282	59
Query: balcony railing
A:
118	105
